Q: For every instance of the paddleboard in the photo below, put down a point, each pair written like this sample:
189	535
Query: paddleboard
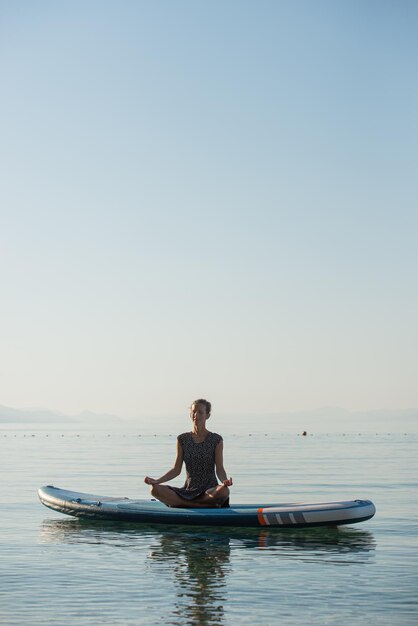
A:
279	515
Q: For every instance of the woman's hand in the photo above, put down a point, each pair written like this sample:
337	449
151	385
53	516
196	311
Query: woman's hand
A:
227	482
150	481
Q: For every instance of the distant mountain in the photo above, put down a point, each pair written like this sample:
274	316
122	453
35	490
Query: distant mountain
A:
331	412
327	419
10	415
338	418
24	416
88	417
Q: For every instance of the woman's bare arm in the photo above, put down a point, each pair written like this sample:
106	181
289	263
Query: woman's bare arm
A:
172	473
219	465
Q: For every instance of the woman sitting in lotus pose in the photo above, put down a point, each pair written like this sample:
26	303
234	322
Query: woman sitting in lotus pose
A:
202	453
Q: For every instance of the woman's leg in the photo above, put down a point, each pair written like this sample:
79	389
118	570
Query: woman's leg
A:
167	496
214	497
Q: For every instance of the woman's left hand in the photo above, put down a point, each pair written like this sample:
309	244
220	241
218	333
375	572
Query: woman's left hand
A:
227	482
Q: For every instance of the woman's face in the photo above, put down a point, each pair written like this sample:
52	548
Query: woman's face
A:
198	413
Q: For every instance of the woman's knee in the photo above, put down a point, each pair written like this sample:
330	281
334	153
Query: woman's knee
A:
155	490
221	494
225	493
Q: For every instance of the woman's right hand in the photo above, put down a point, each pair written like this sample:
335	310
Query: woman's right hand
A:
150	481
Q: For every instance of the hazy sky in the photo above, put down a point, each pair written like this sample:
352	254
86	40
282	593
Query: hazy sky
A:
211	199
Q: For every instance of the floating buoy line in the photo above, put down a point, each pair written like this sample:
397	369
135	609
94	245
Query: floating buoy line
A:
156	435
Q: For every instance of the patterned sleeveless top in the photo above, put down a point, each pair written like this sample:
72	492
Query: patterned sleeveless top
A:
199	459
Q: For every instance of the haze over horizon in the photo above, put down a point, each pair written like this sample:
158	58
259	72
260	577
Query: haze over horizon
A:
325	419
214	200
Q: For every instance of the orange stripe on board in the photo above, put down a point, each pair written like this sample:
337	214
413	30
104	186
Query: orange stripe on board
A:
260	517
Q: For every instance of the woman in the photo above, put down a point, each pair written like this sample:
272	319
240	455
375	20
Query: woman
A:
202	453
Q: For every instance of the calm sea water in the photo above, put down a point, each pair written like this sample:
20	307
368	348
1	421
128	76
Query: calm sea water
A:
57	570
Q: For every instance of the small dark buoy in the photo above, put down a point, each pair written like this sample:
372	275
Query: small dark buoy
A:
304	433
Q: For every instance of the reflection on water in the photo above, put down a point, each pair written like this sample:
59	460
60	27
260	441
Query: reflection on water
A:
296	543
198	561
199	566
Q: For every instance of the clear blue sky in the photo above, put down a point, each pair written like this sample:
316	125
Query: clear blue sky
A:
210	199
